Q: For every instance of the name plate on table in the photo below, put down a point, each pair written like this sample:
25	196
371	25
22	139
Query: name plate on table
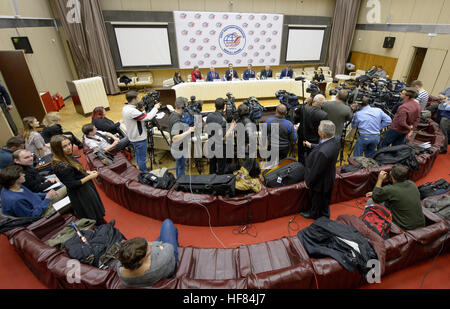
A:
199	81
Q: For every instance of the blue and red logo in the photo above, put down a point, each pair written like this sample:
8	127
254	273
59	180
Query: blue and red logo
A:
232	40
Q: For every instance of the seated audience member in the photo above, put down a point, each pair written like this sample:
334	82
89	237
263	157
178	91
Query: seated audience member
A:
34	141
6	153
286	132
53	127
18	200
380	73
266	73
196	74
402	198
177	79
422	96
212	75
446	93
338	111
371	72
33	179
144	263
249	73
369	121
405	120
94	138
102	123
444	123
287	72
174	118
318	76
231	73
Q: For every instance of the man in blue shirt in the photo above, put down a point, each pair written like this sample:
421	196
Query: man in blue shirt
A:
212	75
287	72
249	73
369	121
6	153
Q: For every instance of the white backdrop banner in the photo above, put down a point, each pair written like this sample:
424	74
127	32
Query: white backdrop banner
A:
217	38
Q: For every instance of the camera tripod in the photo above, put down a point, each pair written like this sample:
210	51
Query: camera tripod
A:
151	142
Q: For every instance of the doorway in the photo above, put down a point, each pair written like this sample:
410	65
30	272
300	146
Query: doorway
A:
416	65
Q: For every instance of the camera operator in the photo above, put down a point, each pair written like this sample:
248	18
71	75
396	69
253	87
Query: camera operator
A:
174	118
369	121
217	164
286	132
244	117
405	120
135	123
338	111
309	118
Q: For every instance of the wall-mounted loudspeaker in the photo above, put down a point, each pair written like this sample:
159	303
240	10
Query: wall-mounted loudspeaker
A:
389	42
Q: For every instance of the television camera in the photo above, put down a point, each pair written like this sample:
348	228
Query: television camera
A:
230	108
192	108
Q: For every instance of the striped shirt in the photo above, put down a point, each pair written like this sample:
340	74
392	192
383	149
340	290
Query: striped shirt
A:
423	98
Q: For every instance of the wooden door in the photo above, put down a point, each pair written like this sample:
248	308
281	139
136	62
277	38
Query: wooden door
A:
416	66
431	68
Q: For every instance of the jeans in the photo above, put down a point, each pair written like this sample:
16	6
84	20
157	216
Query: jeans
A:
180	166
393	137
366	144
169	234
140	152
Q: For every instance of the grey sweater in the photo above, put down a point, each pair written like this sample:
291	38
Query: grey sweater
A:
162	266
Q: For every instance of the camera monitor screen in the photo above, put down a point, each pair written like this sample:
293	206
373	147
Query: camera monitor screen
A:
143	46
304	44
22	43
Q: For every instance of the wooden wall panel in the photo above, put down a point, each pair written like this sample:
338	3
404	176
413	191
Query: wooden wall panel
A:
363	61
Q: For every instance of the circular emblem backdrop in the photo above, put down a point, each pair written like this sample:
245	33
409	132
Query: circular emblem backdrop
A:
238	38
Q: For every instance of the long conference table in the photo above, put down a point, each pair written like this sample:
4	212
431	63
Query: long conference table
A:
241	89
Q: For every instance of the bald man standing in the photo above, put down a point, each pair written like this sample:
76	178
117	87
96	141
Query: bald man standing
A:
309	118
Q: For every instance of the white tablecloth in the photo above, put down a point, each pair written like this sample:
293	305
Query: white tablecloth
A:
209	91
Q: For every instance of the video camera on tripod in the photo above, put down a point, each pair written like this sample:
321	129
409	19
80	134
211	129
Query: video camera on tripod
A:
288	99
191	109
149	101
313	89
230	108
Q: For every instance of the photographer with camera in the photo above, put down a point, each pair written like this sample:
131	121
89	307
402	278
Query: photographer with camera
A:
338	111
309	118
217	164
174	118
286	132
135	119
405	120
369	121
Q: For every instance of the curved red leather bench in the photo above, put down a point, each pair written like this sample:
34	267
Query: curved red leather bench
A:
119	181
281	263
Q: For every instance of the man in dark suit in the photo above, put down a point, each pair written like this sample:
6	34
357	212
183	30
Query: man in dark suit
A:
320	171
230	74
287	72
266	73
212	75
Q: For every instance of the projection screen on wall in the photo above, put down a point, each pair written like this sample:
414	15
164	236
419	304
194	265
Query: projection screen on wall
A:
304	44
143	46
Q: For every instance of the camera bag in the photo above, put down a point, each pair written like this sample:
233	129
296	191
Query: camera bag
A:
288	174
207	184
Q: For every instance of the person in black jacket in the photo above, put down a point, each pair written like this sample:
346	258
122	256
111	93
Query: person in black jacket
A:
231	73
318	76
6	106
286	132
86	202
266	73
249	129
215	120
320	171
309	118
53	127
102	123
177	79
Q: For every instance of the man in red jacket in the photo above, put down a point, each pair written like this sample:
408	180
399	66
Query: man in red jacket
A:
405	120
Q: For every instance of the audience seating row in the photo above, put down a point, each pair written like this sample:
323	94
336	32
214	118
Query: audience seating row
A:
281	263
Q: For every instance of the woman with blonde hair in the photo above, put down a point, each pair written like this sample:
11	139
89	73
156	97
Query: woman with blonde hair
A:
34	141
53	127
86	202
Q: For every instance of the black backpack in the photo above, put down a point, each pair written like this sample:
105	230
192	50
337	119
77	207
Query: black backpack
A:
403	154
286	175
165	182
429	189
223	185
